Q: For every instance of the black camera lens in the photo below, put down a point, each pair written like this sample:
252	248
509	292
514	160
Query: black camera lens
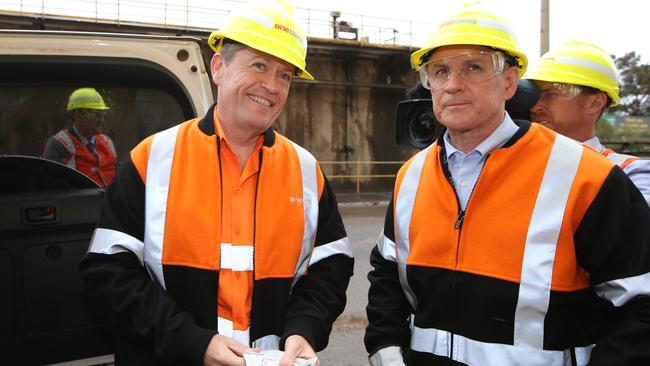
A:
416	126
423	128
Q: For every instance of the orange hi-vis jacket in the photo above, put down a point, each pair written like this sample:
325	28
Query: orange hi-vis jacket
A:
531	273
163	213
98	165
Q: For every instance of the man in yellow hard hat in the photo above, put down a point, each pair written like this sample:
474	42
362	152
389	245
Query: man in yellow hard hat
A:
578	83
505	243
83	147
220	238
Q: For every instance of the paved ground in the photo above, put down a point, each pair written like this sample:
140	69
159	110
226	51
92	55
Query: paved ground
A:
363	217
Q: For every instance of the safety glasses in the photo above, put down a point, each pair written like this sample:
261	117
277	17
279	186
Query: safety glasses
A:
92	113
474	67
551	92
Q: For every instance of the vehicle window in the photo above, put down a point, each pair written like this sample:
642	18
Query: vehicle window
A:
30	115
41	96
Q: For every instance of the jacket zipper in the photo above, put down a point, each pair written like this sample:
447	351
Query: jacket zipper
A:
458	225
257	187
221	215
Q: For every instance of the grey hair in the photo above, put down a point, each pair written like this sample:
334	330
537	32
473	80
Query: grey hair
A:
229	49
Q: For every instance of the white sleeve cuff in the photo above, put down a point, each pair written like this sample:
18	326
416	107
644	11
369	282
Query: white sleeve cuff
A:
388	356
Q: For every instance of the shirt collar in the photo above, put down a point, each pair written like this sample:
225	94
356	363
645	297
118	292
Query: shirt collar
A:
499	136
222	136
83	138
594	143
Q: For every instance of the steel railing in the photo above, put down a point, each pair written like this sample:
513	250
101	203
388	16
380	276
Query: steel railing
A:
182	14
357	173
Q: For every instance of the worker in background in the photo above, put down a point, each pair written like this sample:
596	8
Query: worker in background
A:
220	236
578	81
505	243
82	146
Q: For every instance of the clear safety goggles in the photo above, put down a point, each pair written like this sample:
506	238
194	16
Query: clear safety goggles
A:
551	92
474	67
92	113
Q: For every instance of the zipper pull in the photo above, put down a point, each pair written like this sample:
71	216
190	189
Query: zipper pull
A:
459	219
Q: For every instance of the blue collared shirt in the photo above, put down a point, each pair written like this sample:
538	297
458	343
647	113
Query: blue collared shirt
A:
465	168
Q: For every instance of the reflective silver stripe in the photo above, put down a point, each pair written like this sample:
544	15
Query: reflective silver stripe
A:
541	242
386	247
106	241
64	138
622	290
108	142
310	207
269	23
267	342
225	328
258	18
587	64
341	246
494	24
473	352
237	257
83	99
404	210
619	159
159	168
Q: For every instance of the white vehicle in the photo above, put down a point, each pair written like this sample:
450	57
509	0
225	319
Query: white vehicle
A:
47	210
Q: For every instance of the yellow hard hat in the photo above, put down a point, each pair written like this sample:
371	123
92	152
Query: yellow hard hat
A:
473	25
86	98
579	63
270	26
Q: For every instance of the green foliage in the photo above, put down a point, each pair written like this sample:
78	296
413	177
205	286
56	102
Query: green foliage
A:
605	131
634	81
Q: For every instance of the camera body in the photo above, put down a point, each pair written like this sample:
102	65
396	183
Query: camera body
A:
416	125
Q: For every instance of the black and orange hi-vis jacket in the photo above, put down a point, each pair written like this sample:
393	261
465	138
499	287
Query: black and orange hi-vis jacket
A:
549	264
156	254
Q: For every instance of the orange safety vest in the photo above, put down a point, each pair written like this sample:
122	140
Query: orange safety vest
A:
176	234
512	250
99	165
622	160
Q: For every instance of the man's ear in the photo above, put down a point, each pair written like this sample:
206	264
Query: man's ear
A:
216	65
597	102
511	77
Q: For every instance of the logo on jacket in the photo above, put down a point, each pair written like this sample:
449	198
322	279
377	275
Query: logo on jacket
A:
305	201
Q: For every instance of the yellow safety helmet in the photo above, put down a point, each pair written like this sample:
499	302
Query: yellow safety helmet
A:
473	25
86	98
579	63
270	26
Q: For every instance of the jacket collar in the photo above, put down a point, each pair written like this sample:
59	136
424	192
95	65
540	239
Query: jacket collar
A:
206	125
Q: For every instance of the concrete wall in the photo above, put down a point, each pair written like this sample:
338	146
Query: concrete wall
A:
348	113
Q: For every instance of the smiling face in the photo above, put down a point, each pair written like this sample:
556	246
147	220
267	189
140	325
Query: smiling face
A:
465	106
252	90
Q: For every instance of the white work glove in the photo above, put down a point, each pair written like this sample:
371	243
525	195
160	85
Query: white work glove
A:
388	356
272	358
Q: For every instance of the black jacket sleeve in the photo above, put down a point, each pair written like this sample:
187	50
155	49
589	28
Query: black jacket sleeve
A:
613	245
318	298
388	309
144	313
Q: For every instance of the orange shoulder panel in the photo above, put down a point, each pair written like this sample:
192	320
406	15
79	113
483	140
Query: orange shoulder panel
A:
140	156
192	223
592	172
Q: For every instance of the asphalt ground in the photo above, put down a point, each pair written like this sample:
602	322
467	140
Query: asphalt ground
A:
363	221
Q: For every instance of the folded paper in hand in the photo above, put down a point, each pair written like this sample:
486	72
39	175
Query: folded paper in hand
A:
272	358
